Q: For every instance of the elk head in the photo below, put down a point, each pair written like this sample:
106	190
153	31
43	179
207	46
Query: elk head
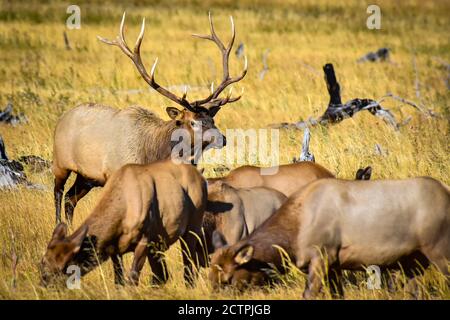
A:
196	116
63	251
234	265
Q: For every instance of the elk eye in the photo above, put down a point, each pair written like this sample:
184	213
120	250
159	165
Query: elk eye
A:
193	123
178	123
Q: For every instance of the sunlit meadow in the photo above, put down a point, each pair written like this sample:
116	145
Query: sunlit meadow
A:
43	79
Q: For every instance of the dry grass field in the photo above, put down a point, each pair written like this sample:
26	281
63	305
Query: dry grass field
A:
42	79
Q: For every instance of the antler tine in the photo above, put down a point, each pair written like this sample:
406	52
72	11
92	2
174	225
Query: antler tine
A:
233	36
213	36
121	28
185	92
226	80
228	99
137	46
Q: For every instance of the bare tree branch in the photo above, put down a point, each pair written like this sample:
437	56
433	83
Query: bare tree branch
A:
265	66
66	41
305	154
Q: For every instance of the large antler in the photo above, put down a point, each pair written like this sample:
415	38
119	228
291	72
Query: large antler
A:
196	106
213	99
135	56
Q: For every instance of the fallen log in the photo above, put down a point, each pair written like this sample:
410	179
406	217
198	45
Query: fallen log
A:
12	172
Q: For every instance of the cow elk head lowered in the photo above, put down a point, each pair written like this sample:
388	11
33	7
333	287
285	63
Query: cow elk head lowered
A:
195	115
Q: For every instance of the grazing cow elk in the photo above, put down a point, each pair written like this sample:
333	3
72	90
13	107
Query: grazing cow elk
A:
94	140
144	209
235	213
288	179
351	224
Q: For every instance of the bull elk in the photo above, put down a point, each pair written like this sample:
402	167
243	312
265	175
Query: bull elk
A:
144	209
333	224
94	140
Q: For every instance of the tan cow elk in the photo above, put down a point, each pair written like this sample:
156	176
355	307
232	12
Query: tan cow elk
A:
332	224
236	212
94	140
144	209
287	179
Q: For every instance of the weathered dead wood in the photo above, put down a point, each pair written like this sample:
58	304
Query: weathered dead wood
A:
66	41
240	50
265	69
444	64
379	151
12	172
305	154
310	69
382	54
364	173
7	116
35	163
337	111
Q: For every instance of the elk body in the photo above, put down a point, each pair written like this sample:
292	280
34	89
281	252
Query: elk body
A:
346	225
94	141
144	209
235	213
287	179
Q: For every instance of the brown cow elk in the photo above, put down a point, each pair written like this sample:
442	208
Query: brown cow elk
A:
287	179
144	209
236	212
332	224
95	140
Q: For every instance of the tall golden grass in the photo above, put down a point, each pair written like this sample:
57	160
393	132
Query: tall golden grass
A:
43	80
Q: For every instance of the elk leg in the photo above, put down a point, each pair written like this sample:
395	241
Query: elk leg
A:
61	176
202	249
351	278
315	274
412	288
335	283
118	269
79	189
387	280
189	243
159	267
441	262
140	253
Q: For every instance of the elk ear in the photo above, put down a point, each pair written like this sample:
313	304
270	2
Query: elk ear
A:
60	232
173	113
218	240
364	174
78	237
76	240
212	111
244	255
